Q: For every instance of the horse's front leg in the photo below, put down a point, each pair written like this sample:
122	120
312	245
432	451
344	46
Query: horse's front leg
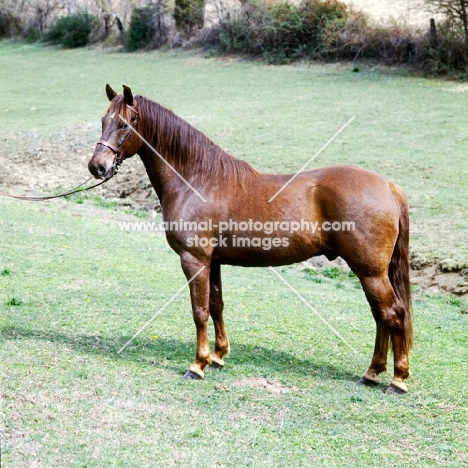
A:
197	271
216	311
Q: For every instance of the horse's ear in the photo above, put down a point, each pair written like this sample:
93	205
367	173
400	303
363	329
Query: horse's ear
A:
128	96
110	93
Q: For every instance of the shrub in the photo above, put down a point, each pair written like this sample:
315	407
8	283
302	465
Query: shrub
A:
188	14
390	45
448	54
147	29
317	29
32	35
10	25
142	28
73	30
280	32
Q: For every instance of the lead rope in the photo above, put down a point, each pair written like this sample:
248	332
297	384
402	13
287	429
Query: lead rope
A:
78	188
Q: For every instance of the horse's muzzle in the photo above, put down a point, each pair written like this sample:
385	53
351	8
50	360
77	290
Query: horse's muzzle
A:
101	165
101	171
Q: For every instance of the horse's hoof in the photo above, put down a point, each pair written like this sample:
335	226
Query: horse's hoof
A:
367	382
216	365
216	362
189	375
394	390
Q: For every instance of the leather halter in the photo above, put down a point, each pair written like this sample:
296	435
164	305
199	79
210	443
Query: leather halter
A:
110	145
113	148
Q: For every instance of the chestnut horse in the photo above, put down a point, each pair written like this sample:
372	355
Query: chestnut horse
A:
223	199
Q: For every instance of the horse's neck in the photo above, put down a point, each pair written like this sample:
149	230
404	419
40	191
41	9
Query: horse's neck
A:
158	173
179	153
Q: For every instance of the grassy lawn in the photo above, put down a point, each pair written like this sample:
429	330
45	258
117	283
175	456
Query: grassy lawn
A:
74	288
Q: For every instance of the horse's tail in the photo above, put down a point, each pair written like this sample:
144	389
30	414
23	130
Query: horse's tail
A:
398	270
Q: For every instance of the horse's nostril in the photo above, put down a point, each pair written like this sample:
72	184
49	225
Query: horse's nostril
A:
101	171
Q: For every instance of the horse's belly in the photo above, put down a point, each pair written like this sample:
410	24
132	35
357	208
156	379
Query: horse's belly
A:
263	251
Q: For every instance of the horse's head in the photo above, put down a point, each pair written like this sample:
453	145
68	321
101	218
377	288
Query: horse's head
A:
119	139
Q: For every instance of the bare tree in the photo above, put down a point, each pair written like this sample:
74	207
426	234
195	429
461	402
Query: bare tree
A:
71	6
33	14
456	11
42	12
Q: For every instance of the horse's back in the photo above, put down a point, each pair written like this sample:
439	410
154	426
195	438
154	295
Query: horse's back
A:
339	188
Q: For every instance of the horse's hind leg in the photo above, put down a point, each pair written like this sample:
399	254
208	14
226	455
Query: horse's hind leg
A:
216	312
379	359
390	318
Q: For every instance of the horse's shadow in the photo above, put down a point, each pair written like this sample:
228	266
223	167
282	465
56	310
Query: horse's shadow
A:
177	354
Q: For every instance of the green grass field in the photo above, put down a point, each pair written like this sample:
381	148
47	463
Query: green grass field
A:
412	130
74	288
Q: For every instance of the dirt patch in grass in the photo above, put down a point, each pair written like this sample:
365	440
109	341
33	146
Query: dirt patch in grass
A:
438	277
45	168
272	385
433	278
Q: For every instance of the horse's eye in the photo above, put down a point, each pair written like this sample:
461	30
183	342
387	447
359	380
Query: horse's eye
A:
124	126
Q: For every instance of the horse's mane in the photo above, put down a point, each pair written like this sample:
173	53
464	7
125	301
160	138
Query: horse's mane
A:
187	149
